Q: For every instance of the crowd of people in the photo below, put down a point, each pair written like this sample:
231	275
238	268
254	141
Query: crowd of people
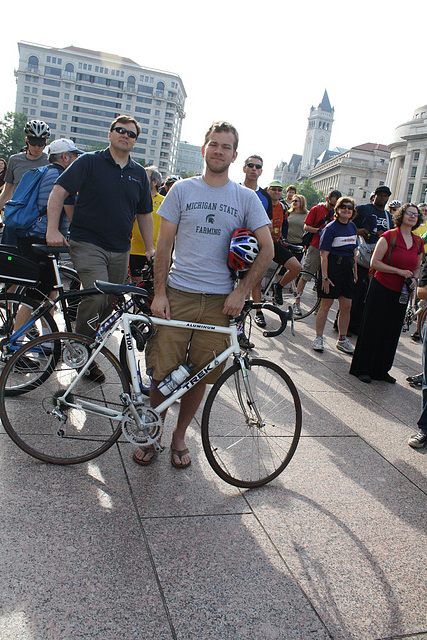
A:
115	216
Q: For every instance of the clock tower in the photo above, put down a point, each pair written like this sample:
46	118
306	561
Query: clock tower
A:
318	135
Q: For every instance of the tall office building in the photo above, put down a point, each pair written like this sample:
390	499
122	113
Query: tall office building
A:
78	92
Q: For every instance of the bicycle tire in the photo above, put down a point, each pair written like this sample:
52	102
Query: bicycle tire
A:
421	321
9	306
309	301
29	420
245	454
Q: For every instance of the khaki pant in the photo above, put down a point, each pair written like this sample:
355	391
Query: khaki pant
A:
170	346
94	263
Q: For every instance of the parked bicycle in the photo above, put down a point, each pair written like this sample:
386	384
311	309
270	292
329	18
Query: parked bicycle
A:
310	299
251	419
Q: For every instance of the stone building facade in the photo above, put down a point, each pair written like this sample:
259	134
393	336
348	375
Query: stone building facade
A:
355	172
407	173
78	92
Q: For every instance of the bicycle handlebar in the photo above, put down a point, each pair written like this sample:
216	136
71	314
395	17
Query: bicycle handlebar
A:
285	317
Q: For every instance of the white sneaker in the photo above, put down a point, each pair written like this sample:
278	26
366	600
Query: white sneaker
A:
297	309
345	345
318	343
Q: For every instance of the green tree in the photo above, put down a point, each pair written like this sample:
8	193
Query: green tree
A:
311	194
188	174
12	136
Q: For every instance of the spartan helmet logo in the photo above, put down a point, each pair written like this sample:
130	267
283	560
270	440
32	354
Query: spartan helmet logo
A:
210	218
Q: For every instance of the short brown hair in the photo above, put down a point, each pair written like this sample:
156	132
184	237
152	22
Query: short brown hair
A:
223	126
398	215
291	187
345	200
126	120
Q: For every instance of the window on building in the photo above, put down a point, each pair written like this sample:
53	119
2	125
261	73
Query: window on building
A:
351	192
27	89
34	90
52	71
410	192
366	182
33	101
413	172
26	100
33	63
416	156
423	192
353	180
64	116
48	59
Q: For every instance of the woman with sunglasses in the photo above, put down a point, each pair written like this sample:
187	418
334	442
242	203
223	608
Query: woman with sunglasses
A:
339	272
397	260
297	214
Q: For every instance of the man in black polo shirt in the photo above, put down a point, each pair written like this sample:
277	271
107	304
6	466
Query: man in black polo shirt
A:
112	189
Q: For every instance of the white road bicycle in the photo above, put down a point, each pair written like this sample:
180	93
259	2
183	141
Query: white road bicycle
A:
53	411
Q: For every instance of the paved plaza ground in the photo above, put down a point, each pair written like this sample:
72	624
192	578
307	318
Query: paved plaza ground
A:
333	548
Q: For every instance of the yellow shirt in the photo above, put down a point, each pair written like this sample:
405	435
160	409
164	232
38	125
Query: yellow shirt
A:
421	231
137	245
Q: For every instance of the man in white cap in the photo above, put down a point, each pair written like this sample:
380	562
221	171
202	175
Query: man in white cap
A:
61	154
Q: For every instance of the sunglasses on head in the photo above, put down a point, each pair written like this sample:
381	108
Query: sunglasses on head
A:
123	131
251	165
37	142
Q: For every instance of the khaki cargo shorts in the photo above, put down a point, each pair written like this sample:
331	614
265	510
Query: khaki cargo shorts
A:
171	346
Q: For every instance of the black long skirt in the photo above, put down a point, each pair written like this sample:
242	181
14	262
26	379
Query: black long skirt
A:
379	332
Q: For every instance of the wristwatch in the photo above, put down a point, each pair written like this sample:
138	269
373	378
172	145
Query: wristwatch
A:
325	279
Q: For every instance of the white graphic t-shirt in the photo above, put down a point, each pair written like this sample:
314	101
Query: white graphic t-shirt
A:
206	218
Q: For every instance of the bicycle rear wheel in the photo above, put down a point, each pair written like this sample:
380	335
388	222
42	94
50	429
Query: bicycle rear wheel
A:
45	427
248	441
309	301
9	307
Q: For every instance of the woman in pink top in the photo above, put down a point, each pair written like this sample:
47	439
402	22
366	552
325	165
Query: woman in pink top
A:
397	260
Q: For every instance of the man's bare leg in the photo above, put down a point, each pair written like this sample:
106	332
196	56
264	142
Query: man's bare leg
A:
189	404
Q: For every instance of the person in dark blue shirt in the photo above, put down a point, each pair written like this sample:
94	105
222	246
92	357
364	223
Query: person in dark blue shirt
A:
112	189
339	272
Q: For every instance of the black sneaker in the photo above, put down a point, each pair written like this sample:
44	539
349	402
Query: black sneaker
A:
260	320
415	381
418	441
416	336
277	294
244	342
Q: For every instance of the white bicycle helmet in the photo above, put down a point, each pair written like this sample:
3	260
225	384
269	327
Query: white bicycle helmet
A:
37	129
394	204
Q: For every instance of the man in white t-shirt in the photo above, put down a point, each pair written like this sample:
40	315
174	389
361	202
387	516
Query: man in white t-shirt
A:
199	216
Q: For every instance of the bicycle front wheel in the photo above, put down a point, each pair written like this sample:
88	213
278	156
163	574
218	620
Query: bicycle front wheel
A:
309	301
250	432
54	430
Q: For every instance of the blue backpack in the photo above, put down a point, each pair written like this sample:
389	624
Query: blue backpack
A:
21	212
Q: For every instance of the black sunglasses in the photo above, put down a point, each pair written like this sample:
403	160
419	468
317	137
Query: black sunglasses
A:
122	131
346	206
251	165
36	142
